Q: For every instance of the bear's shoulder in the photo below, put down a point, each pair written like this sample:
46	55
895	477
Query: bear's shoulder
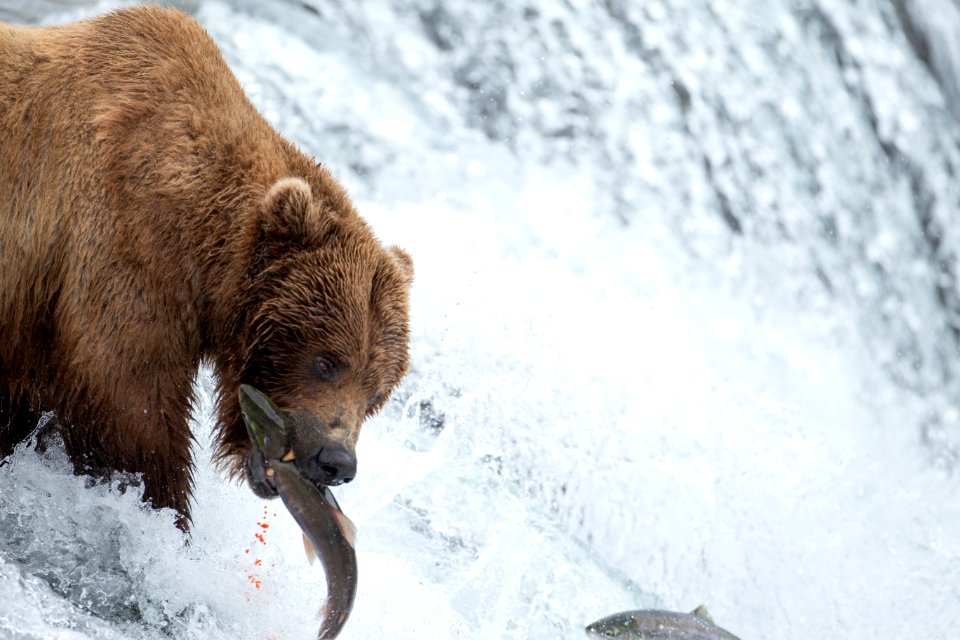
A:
142	34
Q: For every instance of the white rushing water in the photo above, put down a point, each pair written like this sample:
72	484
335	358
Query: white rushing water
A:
684	330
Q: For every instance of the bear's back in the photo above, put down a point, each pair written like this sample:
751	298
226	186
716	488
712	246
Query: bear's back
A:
110	129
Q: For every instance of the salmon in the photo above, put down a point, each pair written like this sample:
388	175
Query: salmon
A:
329	532
653	624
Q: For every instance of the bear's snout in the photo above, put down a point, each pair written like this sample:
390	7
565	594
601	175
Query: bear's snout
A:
332	464
323	444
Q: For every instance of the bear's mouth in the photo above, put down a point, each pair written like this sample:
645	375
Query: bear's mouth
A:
261	483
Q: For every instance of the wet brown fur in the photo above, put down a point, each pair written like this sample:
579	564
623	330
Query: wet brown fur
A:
150	219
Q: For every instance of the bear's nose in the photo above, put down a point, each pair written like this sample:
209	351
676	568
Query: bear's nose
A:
333	464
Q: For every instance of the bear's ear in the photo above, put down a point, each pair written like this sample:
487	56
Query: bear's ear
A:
404	261
284	222
286	210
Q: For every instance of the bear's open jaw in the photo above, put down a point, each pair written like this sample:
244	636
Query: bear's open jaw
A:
258	477
270	478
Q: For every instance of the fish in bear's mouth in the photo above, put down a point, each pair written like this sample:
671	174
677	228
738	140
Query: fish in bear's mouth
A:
323	461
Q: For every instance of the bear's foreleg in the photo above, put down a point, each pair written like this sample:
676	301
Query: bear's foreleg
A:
17	418
152	443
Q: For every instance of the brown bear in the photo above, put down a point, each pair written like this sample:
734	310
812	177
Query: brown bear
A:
150	219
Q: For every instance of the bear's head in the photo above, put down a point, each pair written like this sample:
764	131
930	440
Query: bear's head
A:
327	333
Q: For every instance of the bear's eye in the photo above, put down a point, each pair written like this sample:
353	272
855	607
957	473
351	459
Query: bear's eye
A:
324	368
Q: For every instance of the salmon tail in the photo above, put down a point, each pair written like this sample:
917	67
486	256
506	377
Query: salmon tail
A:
309	550
331	620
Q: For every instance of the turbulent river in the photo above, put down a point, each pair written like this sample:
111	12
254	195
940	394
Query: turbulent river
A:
686	324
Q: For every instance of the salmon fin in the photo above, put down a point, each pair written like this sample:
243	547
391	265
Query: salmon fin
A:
288	456
346	526
701	612
309	550
329	497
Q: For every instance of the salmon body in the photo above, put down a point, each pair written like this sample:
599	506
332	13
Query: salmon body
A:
653	624
329	532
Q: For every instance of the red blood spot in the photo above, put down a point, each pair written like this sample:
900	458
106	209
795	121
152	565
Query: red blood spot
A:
246	550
